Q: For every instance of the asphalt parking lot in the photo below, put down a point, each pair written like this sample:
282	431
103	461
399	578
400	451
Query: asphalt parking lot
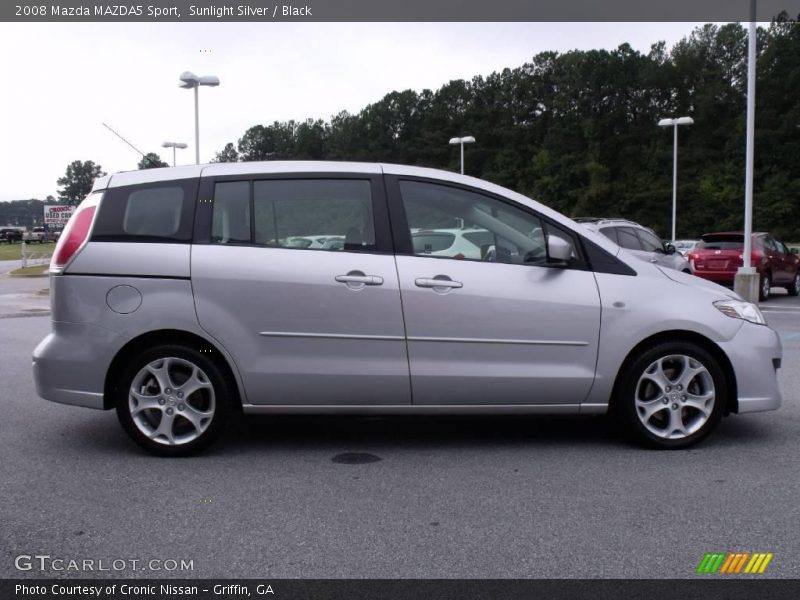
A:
441	498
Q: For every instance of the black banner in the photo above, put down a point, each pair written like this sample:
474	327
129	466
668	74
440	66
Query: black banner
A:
400	589
405	10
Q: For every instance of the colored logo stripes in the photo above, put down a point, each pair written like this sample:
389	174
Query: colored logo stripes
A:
734	563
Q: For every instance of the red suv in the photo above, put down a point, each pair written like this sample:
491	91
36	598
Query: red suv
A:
719	255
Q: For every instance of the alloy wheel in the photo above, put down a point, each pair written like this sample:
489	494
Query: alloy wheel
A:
675	396
171	401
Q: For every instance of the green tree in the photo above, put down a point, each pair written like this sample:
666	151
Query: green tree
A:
151	160
78	180
228	154
577	130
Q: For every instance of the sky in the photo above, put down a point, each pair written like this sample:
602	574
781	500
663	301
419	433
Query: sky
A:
62	81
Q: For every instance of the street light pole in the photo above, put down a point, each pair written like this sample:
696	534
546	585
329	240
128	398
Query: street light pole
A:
674	178
174	146
746	281
188	81
461	141
674	124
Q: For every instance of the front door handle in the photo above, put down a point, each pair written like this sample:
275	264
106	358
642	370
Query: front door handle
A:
357	279
440	282
653	260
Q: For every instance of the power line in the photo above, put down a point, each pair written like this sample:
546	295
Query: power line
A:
152	162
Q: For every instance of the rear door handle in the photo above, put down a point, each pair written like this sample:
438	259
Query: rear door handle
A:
425	282
359	279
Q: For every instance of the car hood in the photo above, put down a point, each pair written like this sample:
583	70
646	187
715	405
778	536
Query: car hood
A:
698	282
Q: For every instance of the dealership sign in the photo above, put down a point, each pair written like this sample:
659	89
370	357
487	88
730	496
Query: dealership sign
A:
57	215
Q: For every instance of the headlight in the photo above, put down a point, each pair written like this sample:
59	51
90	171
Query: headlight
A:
740	310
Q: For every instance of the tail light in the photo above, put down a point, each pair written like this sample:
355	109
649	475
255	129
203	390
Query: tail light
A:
755	258
74	235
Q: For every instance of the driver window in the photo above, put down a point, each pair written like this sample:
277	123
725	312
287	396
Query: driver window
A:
454	223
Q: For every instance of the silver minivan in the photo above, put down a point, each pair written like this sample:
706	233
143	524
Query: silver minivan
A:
180	295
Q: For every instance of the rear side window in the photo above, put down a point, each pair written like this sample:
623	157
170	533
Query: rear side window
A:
302	214
155	212
306	214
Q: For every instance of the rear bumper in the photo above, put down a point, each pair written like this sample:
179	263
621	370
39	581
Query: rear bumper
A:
754	352
70	363
721	277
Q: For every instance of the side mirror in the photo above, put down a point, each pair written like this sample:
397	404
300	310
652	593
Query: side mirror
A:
670	249
795	250
559	250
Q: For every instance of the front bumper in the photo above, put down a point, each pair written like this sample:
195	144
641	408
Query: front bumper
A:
755	352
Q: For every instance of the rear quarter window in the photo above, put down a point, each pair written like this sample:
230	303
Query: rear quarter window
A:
153	212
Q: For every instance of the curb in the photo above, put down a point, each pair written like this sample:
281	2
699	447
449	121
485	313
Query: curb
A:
28	275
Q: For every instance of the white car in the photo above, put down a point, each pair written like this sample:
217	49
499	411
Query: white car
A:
472	243
685	246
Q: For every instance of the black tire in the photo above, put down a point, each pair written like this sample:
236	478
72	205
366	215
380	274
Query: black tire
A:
635	383
794	287
180	360
764	287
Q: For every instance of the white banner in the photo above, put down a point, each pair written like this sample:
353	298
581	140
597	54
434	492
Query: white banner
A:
57	215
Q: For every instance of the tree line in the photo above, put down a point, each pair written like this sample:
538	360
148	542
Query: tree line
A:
577	131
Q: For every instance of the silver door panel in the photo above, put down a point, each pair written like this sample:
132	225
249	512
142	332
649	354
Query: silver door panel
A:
298	335
511	335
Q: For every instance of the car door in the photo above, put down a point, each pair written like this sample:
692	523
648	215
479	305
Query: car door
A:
504	329
312	326
778	260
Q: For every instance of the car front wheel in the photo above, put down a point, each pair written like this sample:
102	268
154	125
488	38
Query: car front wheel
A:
173	401
673	395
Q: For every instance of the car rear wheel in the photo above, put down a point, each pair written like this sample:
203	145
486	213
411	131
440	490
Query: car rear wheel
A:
766	286
794	287
673	395
173	401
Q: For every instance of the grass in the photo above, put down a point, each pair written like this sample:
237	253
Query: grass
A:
14	251
36	271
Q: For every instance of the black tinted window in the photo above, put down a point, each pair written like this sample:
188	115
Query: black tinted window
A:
650	243
153	212
314	214
628	238
610	233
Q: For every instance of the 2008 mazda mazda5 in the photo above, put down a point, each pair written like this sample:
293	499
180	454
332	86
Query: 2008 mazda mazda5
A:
180	295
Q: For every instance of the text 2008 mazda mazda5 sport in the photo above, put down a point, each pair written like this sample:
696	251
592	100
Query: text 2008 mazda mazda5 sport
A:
180	295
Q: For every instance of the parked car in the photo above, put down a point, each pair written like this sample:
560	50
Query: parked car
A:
10	235
685	246
718	257
185	309
37	234
639	240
